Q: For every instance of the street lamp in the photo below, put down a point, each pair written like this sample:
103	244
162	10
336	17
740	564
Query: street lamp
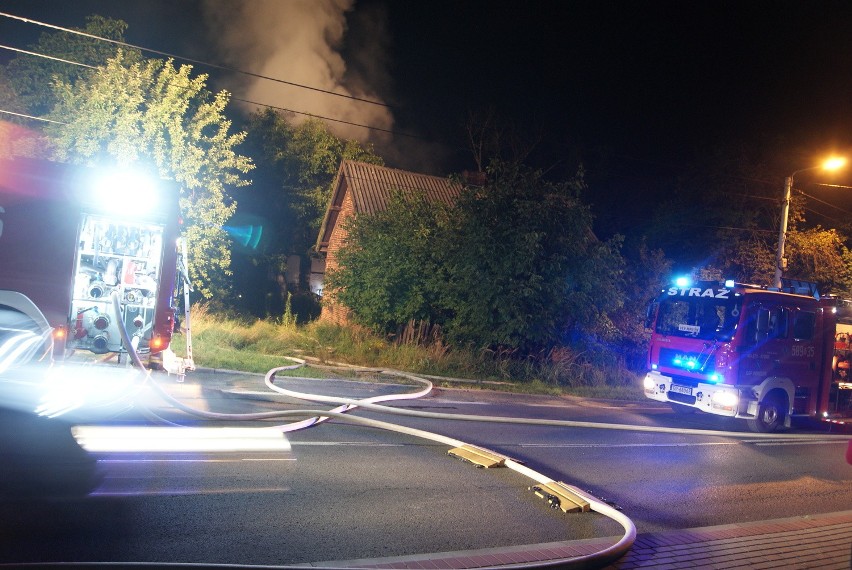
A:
830	164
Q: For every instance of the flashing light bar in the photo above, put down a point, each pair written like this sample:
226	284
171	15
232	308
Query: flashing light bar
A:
690	363
687	282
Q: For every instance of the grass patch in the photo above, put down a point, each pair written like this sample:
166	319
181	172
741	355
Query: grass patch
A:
259	345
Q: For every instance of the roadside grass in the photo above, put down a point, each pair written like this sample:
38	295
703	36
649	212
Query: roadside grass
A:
257	345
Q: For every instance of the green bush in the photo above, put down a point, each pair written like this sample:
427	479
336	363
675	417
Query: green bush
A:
512	265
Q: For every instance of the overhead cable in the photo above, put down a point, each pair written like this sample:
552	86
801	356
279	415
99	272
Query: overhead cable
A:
832	185
195	61
824	202
70	62
31	117
325	118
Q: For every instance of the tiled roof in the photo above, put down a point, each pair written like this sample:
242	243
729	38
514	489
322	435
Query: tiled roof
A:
372	186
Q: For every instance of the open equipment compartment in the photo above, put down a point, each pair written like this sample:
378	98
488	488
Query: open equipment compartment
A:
115	256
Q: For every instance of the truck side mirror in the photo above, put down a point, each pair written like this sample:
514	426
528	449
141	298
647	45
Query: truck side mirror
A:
650	313
762	325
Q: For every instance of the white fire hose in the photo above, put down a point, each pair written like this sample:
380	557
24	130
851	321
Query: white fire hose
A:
317	416
347	404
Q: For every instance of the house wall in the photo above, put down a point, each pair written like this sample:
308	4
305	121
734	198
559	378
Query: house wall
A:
331	310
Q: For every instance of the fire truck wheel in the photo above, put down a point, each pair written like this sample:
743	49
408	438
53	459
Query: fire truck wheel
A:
770	415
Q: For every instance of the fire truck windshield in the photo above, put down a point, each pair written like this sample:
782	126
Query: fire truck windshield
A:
699	317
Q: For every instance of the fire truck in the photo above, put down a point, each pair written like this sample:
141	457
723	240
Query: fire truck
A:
74	238
750	352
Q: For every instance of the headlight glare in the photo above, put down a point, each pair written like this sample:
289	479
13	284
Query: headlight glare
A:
725	399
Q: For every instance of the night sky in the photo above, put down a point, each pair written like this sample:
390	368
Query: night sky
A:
658	80
650	85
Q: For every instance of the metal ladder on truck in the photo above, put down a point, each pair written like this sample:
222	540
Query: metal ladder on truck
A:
172	363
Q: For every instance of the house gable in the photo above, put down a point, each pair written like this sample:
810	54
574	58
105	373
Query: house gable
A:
364	189
371	188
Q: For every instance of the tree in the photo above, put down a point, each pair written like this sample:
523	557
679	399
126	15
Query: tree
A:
492	137
296	167
645	271
813	253
29	78
319	152
751	259
513	264
522	268
720	210
297	164
389	266
151	112
820	255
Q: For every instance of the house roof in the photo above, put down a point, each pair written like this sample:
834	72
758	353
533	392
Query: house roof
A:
371	187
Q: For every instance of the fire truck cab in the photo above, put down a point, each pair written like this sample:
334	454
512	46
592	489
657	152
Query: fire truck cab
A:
749	352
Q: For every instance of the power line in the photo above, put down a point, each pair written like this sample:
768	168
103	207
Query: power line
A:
832	185
31	117
731	228
195	61
824	202
326	118
829	218
753	197
806	208
36	54
19	50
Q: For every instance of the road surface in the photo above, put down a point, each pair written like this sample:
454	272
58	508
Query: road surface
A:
340	491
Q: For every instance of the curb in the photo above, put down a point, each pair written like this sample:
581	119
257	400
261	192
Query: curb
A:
814	541
483	384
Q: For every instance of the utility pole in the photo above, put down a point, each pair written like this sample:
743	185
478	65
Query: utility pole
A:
782	234
830	164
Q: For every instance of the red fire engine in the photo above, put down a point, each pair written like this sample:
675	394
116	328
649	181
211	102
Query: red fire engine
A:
71	238
750	352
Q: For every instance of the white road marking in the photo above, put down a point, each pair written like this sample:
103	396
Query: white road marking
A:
562	405
573	445
344	444
268	459
632	408
815	442
236	460
257	393
682	444
185	492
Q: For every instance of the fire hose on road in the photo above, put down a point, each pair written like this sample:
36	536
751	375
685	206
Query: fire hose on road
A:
317	416
344	405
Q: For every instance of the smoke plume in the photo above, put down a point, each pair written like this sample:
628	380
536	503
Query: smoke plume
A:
306	42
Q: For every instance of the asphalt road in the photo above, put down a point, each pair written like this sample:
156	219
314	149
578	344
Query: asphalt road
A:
665	481
341	491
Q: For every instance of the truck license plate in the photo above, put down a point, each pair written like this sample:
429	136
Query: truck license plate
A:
682	389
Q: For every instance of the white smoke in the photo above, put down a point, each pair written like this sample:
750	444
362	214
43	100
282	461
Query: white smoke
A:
303	41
